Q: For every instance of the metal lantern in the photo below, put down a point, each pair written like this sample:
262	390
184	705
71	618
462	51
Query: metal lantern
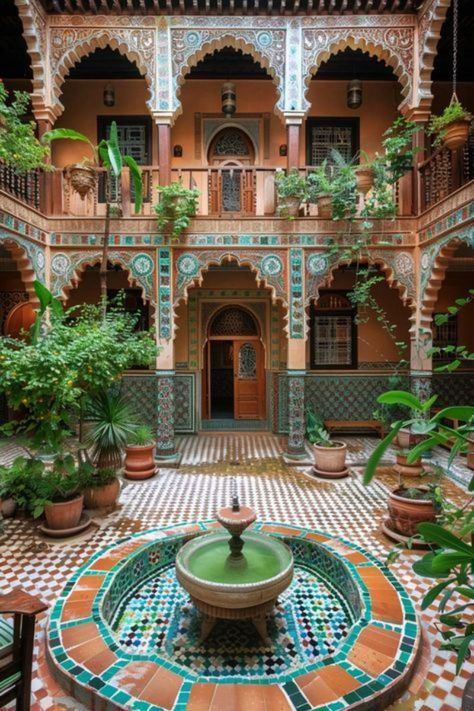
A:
229	102
354	94
109	95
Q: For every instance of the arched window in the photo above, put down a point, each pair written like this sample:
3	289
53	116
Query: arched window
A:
233	321
231	142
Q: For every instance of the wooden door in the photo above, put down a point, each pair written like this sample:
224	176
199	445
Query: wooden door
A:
249	375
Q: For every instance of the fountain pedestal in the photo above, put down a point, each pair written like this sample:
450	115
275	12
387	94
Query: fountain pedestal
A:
236	578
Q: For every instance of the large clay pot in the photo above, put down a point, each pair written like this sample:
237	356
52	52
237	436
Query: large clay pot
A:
83	178
364	179
330	459
65	514
102	497
407	439
139	462
325	206
289	206
456	134
7	507
405	514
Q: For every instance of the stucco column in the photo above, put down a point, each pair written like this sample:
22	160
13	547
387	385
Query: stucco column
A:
293	137
166	454
420	115
164	153
421	367
295	451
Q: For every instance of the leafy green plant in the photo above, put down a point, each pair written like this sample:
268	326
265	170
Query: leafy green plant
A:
18	481
176	207
452	113
316	433
99	477
76	356
19	147
461	354
291	185
64	482
141	437
112	423
337	180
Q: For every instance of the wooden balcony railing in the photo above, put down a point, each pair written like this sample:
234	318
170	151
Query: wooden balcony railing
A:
445	171
25	187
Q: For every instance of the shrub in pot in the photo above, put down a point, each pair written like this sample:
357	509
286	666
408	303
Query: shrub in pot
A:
139	454
59	494
291	192
111	424
329	455
333	188
18	484
176	207
102	489
451	128
410	506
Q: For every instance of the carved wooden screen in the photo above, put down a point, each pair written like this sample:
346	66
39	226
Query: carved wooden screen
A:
233	322
327	134
333	332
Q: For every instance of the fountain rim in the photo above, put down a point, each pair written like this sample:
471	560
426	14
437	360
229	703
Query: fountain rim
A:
224	587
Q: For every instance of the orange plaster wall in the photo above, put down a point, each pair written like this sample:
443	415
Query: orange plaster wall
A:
83	101
455	286
88	290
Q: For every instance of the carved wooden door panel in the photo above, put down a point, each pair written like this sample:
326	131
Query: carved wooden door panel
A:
249	386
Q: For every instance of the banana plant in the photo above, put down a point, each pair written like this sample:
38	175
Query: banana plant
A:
108	154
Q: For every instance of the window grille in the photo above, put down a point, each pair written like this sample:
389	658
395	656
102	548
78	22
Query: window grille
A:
333	332
326	135
446	334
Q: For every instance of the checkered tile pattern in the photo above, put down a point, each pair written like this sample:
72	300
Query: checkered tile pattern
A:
203	483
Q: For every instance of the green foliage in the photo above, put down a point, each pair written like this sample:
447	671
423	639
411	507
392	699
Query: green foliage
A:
461	354
112	424
291	185
99	477
78	355
316	433
19	147
452	113
337	180
106	153
176	207
141	437
18	480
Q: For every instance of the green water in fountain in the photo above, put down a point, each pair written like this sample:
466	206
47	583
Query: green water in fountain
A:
211	562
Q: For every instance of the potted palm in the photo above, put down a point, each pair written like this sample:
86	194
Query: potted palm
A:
139	454
111	424
291	192
451	128
176	207
329	455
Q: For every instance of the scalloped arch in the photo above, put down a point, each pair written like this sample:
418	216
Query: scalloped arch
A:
91	260
228	40
23	262
429	32
34	34
374	47
113	38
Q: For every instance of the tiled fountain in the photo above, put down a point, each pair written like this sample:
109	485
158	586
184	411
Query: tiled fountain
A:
339	632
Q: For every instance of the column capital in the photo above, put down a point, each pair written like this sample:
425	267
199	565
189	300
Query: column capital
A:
293	118
163	117
419	114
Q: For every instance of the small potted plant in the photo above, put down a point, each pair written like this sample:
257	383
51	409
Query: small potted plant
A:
320	190
17	484
176	207
102	489
451	128
139	454
291	192
365	175
59	495
408	506
329	455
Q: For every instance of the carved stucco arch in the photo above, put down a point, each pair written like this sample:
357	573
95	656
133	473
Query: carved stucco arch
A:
206	259
435	262
430	24
24	263
393	46
393	279
76	264
35	35
184	58
69	46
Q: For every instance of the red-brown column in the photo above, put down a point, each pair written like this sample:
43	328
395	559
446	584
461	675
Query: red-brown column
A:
293	141
164	152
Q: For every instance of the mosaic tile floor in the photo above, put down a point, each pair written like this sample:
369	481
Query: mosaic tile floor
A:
277	492
309	622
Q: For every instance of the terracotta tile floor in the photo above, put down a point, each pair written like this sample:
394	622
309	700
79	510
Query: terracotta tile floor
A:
195	491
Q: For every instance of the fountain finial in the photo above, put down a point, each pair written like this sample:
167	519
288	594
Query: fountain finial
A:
235	496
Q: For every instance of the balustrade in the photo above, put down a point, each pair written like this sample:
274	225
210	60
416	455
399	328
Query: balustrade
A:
24	187
445	171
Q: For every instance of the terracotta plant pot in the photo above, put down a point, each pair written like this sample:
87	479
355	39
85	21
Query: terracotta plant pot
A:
330	460
289	206
83	178
407	439
102	497
405	514
324	203
139	462
456	134
65	514
7	507
364	180
402	467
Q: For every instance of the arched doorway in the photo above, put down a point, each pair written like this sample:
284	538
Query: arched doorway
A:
231	187
234	372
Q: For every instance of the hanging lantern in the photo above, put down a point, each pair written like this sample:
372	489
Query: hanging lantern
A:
354	94
229	103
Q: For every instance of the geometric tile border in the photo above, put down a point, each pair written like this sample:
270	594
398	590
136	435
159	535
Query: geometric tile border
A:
369	669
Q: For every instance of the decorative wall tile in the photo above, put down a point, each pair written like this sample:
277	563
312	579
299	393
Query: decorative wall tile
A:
164	293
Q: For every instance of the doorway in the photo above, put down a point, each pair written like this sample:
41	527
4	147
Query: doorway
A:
234	372
231	182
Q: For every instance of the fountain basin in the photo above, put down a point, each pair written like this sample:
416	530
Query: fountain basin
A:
107	657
